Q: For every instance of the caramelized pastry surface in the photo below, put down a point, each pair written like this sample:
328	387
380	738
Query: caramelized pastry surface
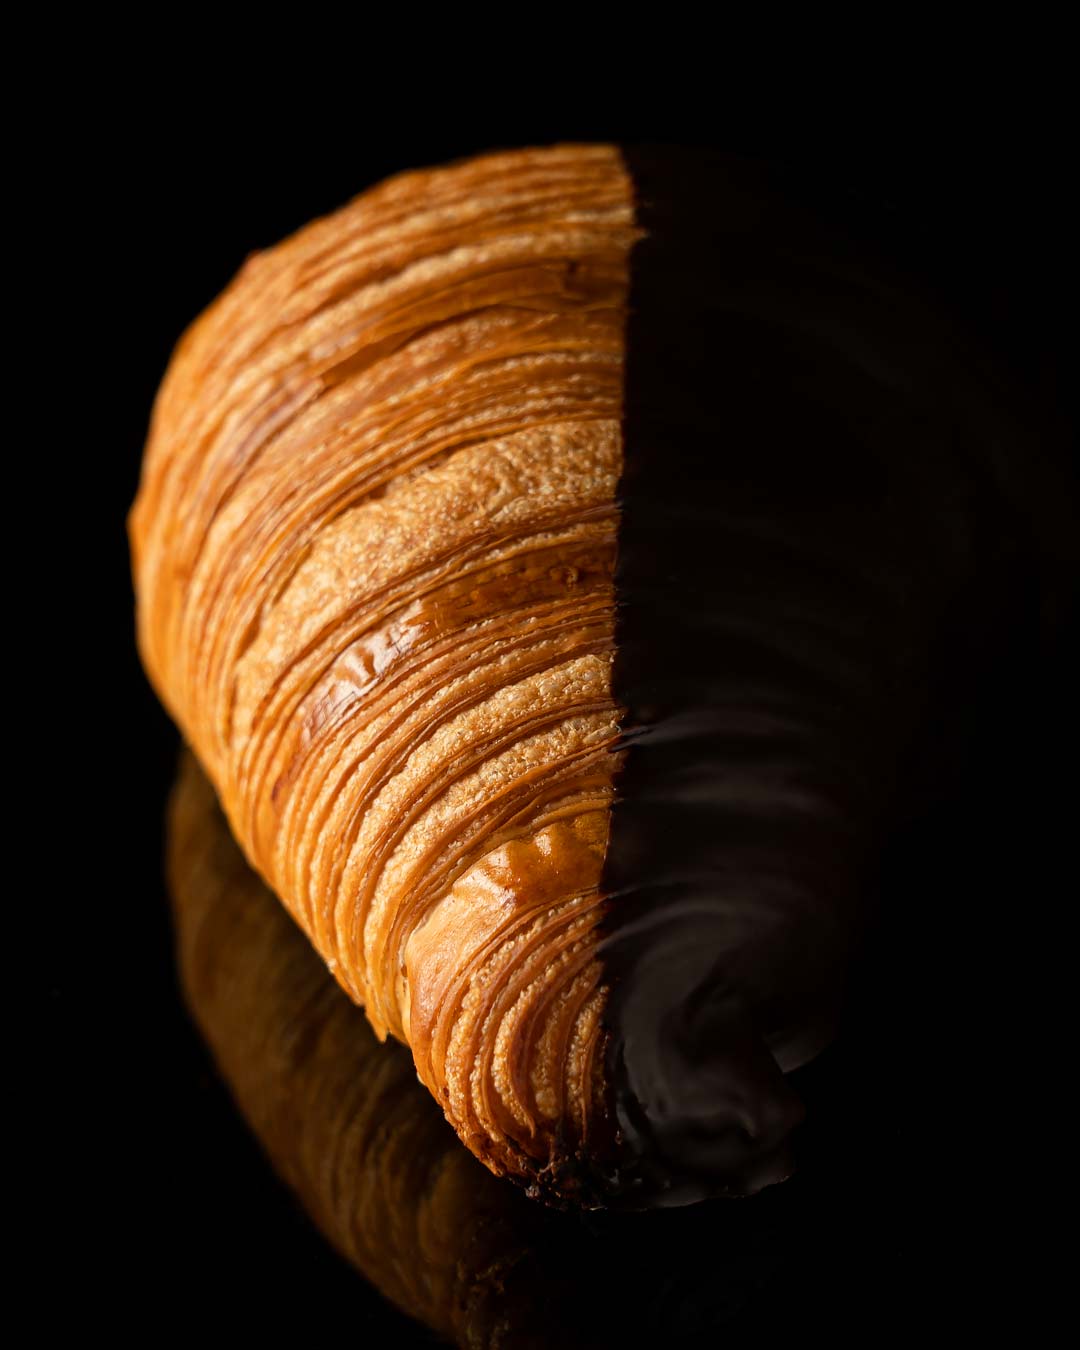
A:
374	546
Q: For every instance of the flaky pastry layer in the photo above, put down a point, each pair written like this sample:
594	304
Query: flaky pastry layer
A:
374	546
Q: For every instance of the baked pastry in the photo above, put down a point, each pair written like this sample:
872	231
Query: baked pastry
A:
373	546
547	558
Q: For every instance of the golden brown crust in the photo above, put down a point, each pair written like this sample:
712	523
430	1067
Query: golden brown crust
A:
374	547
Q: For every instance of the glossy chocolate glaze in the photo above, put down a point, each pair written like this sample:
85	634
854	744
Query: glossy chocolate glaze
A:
816	542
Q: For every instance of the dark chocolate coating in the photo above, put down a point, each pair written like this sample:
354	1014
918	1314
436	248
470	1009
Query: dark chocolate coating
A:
818	539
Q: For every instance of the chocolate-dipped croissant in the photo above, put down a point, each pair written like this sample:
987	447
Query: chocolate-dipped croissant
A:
547	558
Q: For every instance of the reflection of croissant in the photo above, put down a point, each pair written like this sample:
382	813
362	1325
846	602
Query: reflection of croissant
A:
375	548
337	1113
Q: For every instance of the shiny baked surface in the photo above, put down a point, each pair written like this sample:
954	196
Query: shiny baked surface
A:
373	546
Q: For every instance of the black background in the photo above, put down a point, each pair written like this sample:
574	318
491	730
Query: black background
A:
161	1190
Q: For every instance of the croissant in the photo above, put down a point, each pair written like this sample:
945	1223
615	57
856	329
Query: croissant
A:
548	558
